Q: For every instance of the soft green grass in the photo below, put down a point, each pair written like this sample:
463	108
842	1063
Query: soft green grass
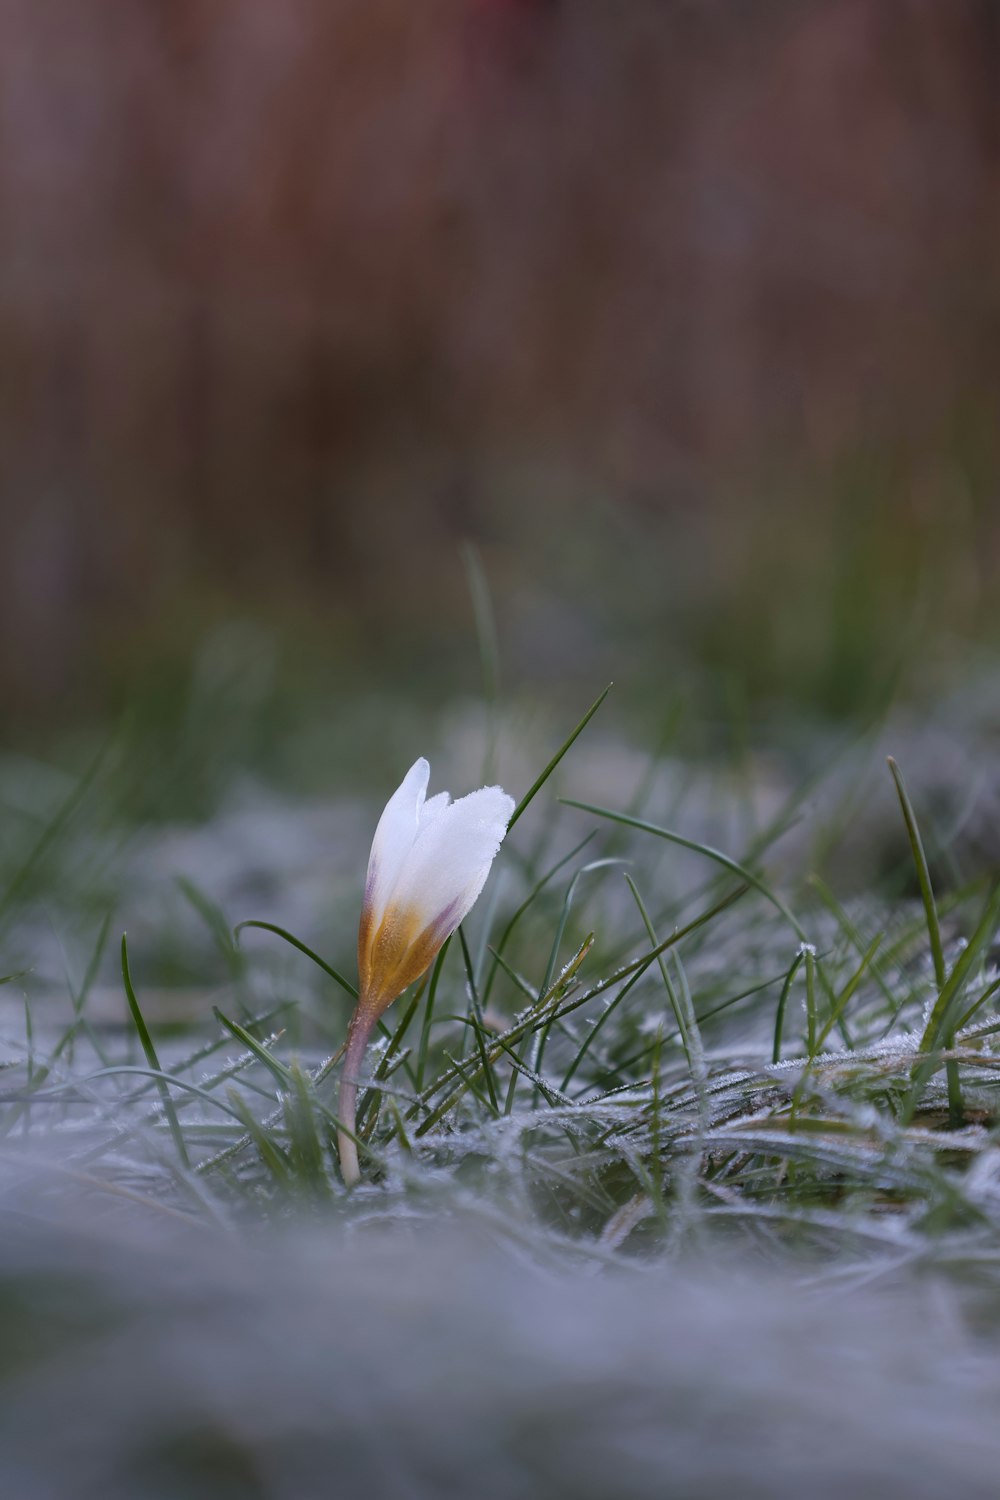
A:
642	1040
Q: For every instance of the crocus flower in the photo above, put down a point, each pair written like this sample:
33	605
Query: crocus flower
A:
429	862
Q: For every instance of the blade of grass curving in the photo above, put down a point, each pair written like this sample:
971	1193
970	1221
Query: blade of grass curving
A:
853	935
142	1031
274	1158
680	1017
779	1019
849	990
262	1054
468	1077
553	1097
133	1070
937	1025
732	865
923	874
987	994
537	785
295	942
955	1112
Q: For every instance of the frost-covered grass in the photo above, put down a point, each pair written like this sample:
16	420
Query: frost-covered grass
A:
645	1041
681	1166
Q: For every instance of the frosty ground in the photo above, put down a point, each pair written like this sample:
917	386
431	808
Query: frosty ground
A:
681	1167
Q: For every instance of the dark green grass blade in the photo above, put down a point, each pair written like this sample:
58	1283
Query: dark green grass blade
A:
854	937
295	942
938	1028
262	1054
274	1158
849	990
779	1017
923	874
988	993
142	1031
687	1027
955	1112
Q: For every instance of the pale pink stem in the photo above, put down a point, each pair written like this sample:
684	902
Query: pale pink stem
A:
358	1033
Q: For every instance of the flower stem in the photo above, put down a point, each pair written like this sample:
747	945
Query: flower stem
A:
358	1033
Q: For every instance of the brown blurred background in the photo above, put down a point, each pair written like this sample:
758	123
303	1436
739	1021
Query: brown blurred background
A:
686	310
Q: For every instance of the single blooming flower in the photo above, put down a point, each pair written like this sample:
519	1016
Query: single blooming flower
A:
429	862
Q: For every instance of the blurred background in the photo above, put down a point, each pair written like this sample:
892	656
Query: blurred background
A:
684	313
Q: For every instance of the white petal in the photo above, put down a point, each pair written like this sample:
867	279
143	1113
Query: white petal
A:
394	836
447	866
431	808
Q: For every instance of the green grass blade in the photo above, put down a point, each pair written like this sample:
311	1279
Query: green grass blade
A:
955	1112
937	1026
687	1027
142	1031
779	1018
262	1054
295	942
850	989
923	874
271	1154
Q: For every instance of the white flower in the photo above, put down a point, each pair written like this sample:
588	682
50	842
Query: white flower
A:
428	864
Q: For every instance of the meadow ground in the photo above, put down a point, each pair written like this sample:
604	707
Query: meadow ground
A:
681	1168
